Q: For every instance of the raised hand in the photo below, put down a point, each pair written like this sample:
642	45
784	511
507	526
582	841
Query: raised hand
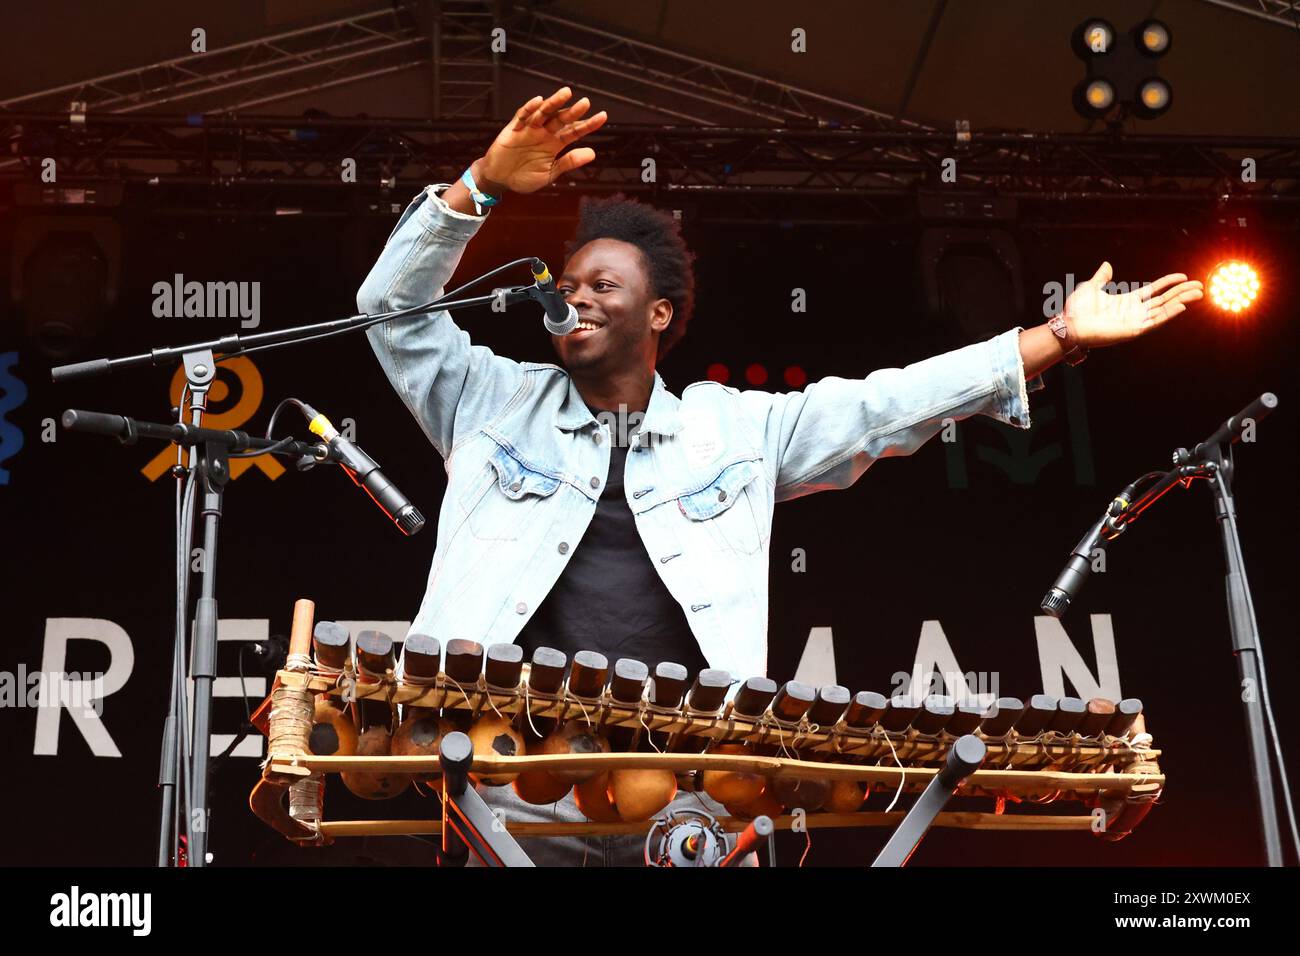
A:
1100	318
525	156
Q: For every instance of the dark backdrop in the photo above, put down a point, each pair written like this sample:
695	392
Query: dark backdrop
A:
86	535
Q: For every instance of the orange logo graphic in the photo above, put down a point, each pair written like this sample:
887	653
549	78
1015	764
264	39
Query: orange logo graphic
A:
247	380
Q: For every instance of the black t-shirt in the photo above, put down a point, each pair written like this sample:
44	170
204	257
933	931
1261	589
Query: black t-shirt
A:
609	598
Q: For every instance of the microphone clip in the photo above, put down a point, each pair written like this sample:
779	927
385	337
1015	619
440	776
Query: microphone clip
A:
318	454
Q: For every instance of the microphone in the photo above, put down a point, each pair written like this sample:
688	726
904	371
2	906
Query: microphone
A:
365	473
561	318
1070	581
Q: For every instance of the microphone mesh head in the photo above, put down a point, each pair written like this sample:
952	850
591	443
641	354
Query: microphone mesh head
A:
410	520
1055	603
563	328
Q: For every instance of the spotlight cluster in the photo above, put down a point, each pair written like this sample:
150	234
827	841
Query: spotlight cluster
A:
1122	73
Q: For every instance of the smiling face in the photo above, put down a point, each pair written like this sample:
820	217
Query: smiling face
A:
619	320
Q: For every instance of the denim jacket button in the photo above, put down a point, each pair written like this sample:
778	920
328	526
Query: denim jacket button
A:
521	608
516	486
564	547
596	436
722	494
595	482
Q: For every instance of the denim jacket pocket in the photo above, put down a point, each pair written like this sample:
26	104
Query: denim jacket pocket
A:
503	510
714	508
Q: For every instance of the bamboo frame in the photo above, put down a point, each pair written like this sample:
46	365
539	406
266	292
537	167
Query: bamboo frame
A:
840	741
1043	769
814	821
983	780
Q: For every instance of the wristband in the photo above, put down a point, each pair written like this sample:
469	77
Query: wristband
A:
481	199
1075	352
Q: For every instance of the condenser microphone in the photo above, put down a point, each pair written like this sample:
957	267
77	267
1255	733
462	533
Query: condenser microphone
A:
1071	579
364	472
561	318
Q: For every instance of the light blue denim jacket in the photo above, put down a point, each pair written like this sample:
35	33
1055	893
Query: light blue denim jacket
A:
526	461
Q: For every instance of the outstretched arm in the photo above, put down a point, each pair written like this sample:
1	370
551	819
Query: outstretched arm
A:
826	436
453	387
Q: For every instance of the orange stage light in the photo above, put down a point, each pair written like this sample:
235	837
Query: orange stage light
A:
1233	286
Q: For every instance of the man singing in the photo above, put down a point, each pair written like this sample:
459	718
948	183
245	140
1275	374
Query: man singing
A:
589	508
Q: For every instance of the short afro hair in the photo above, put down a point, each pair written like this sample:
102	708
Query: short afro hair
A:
669	265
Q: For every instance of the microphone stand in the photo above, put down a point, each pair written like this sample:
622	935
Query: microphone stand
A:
468	825
183	762
1213	459
1216	453
964	758
210	451
228	346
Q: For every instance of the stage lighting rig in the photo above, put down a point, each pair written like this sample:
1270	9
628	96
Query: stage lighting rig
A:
1122	72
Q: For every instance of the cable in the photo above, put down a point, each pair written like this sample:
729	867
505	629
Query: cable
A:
270	427
310	338
248	716
441	303
176	772
1141	503
1131	512
1149	475
167	853
257	452
198	404
180	703
488	275
183	746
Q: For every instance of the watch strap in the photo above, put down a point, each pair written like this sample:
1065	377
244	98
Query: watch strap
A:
1075	351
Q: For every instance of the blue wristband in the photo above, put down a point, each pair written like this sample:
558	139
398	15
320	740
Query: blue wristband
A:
481	199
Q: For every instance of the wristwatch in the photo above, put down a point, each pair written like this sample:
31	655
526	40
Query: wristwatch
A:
1075	352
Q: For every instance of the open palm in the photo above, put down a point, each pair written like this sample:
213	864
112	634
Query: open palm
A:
525	156
1101	318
